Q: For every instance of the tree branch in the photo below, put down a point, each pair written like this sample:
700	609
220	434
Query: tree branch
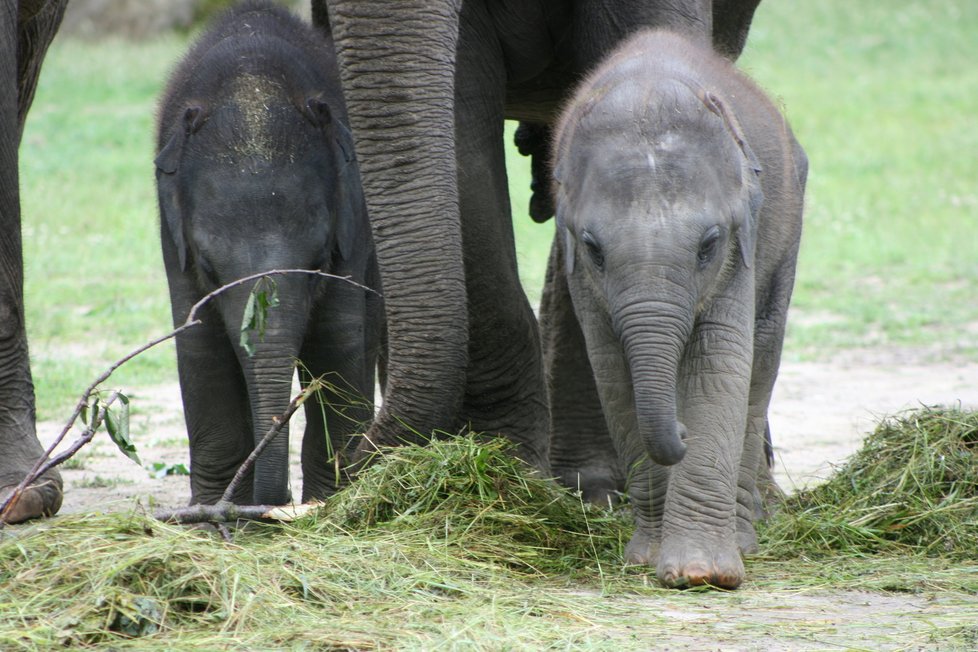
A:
46	462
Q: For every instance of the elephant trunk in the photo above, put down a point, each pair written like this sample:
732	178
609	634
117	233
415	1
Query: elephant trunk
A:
268	377
398	89
653	340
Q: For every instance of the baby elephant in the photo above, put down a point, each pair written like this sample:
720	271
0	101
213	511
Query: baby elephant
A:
255	171
678	190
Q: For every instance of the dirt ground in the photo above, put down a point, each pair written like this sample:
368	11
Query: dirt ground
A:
819	415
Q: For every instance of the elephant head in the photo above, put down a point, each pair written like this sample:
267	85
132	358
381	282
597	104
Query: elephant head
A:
657	196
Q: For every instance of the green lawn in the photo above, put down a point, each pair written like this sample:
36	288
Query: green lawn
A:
94	274
881	95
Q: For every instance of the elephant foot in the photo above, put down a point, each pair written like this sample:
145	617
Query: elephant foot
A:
38	500
683	563
642	549
597	486
746	536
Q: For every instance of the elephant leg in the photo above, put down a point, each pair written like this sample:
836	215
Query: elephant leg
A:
405	151
699	534
215	400
339	350
757	489
23	42
504	386
582	455
216	410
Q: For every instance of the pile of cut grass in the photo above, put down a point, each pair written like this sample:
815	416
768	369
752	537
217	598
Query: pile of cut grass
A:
482	502
911	489
432	544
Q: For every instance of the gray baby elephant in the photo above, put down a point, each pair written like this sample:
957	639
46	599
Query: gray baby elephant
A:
679	191
255	171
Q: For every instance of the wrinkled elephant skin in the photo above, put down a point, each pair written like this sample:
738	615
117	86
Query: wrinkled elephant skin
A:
679	191
26	30
428	84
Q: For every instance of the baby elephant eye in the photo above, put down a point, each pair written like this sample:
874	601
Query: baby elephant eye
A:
593	249
709	245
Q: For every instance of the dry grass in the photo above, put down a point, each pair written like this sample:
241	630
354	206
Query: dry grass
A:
911	489
457	546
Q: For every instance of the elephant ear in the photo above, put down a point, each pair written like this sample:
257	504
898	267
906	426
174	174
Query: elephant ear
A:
351	214
168	160
746	228
349	208
167	163
562	230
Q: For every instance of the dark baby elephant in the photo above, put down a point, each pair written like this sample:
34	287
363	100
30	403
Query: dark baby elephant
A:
256	172
679	191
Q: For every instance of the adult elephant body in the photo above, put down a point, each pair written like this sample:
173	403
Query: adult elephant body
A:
26	30
428	85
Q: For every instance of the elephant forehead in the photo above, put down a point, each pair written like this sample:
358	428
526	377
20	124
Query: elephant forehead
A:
651	179
255	120
251	94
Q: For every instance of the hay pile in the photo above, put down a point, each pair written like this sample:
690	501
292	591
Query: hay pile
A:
911	489
453	532
483	503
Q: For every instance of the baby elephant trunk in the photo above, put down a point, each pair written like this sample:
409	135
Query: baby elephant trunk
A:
268	376
268	373
653	346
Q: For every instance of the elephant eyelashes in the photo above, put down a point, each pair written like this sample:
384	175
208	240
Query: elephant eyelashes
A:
708	246
593	249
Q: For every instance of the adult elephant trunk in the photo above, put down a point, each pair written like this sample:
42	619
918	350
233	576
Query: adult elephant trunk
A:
653	337
397	62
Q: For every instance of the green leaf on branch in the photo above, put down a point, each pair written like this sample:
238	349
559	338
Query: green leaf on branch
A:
159	470
93	410
117	425
263	297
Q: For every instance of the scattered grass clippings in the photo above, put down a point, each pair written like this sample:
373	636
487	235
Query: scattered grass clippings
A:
911	489
458	546
452	532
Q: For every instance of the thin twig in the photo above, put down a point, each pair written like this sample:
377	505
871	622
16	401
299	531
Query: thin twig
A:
277	424
225	511
46	462
216	514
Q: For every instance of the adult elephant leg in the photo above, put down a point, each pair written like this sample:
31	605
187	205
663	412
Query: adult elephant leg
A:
504	391
582	455
397	62
25	33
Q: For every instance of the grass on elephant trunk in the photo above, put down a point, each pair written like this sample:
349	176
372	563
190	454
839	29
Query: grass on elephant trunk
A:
911	488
